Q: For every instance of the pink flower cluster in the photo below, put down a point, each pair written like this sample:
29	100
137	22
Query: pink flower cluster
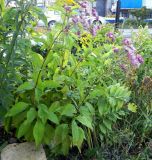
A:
67	8
84	18
115	49
111	36
135	59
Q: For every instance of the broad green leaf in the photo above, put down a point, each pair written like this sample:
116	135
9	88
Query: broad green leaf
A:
91	108
118	92
112	101
23	129
61	133
120	104
50	84
97	92
53	61
53	117
84	111
49	42
66	58
65	90
66	145
19	118
55	107
25	86
49	134
38	94
69	42
40	14
85	120
113	89
43	112
77	135
103	129
37	61
17	108
38	132
31	115
68	110
103	106
29	135
107	123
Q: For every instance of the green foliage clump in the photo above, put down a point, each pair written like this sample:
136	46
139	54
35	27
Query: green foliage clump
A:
85	91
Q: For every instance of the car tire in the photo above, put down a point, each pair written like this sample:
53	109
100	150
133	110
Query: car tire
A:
96	21
51	23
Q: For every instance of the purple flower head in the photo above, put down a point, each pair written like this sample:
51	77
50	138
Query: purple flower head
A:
89	21
97	18
133	59
115	50
94	13
126	42
85	25
135	63
75	19
140	58
94	31
67	8
94	10
87	12
131	47
111	36
83	4
131	55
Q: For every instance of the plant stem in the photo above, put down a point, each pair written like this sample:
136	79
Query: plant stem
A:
46	58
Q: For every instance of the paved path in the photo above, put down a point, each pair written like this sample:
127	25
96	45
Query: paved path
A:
127	32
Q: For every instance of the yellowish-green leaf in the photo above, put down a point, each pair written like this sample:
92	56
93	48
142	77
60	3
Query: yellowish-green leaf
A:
66	58
132	107
37	61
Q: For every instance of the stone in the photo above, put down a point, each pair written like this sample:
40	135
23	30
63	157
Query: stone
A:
22	151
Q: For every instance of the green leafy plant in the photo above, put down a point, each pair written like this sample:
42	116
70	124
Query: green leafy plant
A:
85	92
15	47
65	97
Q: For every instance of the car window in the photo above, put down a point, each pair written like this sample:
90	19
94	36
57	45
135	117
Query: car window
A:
56	13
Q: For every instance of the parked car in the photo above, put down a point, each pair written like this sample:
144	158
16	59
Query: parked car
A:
52	17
